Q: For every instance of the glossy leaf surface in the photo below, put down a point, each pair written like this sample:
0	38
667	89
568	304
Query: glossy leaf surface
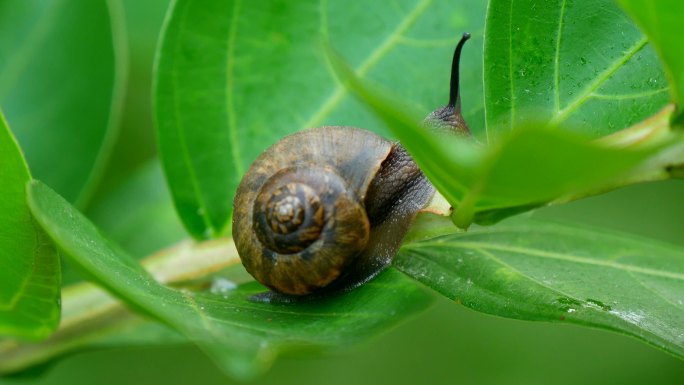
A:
548	272
662	22
29	265
583	64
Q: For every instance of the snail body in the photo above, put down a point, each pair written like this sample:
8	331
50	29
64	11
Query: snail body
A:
327	208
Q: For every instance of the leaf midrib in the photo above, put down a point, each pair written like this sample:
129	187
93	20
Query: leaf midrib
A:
561	114
550	255
494	258
24	174
655	292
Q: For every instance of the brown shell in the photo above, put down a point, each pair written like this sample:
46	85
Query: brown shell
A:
309	187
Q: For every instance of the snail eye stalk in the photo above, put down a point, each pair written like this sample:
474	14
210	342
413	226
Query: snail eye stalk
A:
454	94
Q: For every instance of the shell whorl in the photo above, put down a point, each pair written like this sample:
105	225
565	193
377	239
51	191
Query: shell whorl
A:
299	221
288	215
310	226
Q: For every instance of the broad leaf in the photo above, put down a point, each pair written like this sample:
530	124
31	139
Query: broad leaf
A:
547	272
519	171
662	22
580	63
242	336
61	77
29	265
138	215
235	77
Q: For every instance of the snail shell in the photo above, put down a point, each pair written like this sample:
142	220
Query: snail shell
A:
326	208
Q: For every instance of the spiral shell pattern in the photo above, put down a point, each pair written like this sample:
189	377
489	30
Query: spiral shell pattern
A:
288	216
309	226
299	218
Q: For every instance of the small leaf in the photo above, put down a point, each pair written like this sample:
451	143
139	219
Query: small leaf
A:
62	72
546	272
534	166
662	22
234	77
242	336
29	264
582	64
522	170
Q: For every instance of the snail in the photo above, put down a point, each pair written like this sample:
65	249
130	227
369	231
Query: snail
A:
326	209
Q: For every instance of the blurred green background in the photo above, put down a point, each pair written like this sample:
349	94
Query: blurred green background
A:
448	344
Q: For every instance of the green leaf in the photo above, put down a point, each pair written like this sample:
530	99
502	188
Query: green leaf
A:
580	63
517	172
661	20
62	72
536	165
234	77
242	336
29	265
139	214
93	318
547	272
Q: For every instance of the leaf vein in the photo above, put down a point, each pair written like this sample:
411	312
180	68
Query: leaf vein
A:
586	94
554	255
373	58
556	60
637	95
654	291
527	276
